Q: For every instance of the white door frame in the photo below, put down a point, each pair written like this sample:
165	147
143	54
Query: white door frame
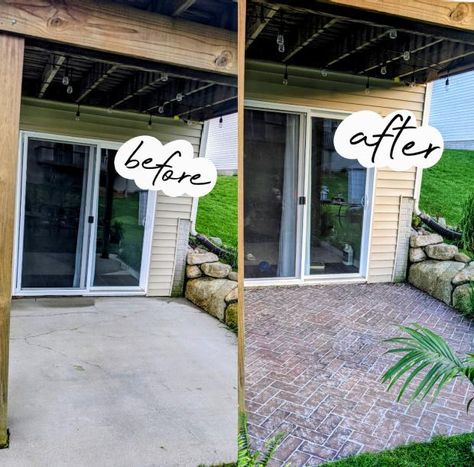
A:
89	240
304	186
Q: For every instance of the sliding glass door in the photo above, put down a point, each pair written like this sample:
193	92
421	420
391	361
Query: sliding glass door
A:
337	205
82	227
56	188
305	206
271	193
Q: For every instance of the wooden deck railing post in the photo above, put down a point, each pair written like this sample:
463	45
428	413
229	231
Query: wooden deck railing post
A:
11	67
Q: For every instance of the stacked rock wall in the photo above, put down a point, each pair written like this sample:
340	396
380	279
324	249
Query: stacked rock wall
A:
212	285
441	270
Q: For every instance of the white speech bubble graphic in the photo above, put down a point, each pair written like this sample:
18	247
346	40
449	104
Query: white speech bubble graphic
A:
394	141
169	167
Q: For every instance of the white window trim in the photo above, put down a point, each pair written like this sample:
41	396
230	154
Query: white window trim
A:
89	289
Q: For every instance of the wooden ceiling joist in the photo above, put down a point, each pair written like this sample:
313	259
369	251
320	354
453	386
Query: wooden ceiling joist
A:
99	73
219	96
138	84
366	69
354	42
181	6
263	18
50	71
309	34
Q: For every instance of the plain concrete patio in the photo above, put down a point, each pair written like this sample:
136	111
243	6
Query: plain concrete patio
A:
120	382
314	358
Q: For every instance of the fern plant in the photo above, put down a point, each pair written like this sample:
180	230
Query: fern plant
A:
249	458
422	350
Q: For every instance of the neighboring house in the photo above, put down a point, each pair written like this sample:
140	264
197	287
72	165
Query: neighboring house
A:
221	143
456	127
310	215
80	228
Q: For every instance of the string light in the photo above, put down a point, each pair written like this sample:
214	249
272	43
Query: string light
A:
65	80
367	85
446	83
285	76
324	73
392	34
70	89
78	112
280	37
179	97
383	70
161	109
149	123
413	80
164	77
221	122
406	55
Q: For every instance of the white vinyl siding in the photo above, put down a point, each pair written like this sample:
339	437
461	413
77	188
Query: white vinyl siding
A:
51	117
345	93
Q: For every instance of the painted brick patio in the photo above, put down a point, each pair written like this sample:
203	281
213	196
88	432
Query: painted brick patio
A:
314	357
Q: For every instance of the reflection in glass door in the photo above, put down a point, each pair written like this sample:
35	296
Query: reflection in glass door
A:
120	224
337	205
271	193
55	199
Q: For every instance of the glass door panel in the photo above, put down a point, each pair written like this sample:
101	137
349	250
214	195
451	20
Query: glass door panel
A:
271	193
54	214
120	224
336	205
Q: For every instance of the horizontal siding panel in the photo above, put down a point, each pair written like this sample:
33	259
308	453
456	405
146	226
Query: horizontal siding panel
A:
405	184
379	225
395	192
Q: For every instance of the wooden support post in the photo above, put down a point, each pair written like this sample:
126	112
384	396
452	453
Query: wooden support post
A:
11	58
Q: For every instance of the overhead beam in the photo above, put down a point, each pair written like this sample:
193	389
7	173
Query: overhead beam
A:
458	15
123	30
11	58
182	6
98	74
262	19
132	63
412	25
138	84
316	27
50	71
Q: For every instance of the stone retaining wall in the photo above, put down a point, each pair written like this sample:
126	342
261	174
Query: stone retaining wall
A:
212	285
441	270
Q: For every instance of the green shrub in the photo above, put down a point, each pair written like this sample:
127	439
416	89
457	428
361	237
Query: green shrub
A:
466	225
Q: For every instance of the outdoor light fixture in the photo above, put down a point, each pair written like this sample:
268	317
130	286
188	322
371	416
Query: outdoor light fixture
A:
392	33
65	80
383	70
280	38
78	112
446	83
367	85
221	122
69	89
324	73
406	55
164	77
179	97
285	76
149	123
413	80
161	109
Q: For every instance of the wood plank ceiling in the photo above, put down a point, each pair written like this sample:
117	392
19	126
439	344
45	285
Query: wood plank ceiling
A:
328	38
85	77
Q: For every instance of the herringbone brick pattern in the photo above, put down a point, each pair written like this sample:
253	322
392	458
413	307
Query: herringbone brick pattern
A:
314	357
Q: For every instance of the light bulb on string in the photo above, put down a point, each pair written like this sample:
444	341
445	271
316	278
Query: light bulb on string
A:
392	34
383	70
78	112
280	40
446	83
161	109
179	97
367	85
149	123
406	55
65	80
70	89
324	73
164	77
221	122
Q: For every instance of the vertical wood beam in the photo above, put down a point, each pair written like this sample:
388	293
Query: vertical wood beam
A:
11	58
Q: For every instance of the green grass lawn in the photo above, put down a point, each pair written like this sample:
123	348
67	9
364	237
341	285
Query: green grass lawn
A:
443	451
217	211
446	185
